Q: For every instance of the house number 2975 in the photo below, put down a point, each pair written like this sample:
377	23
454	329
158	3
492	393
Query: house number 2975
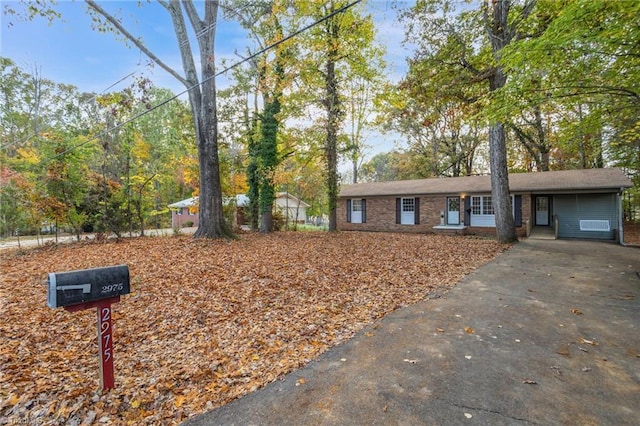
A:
105	333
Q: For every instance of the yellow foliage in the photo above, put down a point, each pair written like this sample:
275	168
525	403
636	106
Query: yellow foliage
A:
239	184
28	155
141	149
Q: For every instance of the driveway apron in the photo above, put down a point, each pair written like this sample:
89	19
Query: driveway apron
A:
546	333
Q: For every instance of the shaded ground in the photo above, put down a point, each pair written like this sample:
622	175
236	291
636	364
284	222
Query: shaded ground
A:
207	321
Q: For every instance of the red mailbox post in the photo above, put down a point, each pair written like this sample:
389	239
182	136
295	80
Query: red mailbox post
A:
92	288
105	337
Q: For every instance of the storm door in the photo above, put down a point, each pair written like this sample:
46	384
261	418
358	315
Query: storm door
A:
453	210
542	211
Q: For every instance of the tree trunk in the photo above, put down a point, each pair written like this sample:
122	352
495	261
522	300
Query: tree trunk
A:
334	117
500	35
331	147
211	218
355	171
202	98
543	145
505	226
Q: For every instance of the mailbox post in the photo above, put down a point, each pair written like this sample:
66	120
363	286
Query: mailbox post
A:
92	288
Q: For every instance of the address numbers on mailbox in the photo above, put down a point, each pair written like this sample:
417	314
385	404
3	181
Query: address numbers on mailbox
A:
86	285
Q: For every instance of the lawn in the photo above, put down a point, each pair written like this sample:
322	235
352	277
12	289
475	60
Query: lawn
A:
207	321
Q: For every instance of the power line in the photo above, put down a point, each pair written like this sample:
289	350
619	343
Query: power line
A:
19	142
229	68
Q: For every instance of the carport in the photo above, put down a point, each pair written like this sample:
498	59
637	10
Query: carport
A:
585	204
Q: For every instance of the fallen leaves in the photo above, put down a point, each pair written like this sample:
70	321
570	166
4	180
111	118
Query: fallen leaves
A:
207	321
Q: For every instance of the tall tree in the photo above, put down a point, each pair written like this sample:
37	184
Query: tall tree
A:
265	21
586	60
335	50
501	32
363	83
202	97
462	49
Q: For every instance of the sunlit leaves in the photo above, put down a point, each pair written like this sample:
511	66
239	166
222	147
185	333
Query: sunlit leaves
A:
207	321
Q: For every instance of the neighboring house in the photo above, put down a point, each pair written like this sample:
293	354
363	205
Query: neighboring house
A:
293	208
572	203
185	212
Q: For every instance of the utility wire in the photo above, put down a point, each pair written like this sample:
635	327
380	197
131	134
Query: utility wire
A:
229	68
19	142
199	34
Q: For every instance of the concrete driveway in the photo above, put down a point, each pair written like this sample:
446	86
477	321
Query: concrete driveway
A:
547	333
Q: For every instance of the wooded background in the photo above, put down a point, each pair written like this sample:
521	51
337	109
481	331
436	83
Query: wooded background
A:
563	85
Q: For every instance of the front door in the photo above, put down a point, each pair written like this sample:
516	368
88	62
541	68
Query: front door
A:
453	211
542	211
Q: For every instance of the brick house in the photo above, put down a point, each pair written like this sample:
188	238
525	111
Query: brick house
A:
568	203
184	213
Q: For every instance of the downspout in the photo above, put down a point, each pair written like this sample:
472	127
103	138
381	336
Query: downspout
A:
620	218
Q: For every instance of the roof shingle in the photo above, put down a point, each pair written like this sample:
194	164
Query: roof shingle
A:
554	181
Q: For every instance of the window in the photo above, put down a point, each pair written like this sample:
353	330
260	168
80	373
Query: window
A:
408	205
487	206
482	205
357	210
408	211
179	212
483	211
476	205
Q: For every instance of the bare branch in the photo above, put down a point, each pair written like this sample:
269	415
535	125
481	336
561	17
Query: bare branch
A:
135	40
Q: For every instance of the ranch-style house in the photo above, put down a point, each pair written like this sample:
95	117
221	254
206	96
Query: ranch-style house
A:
568	204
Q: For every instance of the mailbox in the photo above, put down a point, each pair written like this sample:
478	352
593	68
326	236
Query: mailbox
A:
86	285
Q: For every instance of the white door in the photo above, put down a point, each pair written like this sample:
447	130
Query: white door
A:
542	211
453	211
408	214
356	211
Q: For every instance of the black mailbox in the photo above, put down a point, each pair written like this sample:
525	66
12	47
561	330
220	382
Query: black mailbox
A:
86	285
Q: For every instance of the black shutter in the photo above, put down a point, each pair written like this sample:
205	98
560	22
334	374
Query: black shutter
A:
398	209
364	211
416	219
518	210
348	211
467	210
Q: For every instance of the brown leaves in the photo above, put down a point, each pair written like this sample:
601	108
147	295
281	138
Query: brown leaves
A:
207	321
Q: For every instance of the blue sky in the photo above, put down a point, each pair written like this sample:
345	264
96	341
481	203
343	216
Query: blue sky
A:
70	51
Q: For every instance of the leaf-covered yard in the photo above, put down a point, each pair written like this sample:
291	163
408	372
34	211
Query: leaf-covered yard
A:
207	321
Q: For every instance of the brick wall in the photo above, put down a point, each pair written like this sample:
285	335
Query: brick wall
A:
381	216
179	220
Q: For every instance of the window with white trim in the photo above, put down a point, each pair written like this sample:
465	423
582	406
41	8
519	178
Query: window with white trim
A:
408	211
408	205
482	205
356	211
